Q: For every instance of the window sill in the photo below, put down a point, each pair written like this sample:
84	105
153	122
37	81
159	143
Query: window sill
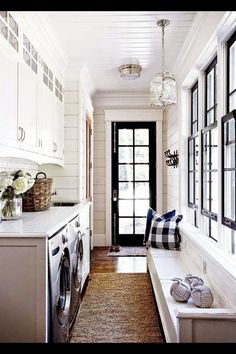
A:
208	247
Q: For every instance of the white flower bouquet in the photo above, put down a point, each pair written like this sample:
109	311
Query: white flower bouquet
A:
13	185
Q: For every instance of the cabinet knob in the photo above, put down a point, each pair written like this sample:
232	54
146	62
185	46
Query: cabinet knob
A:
77	223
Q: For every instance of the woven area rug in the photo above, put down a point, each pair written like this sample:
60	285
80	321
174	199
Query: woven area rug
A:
129	252
118	308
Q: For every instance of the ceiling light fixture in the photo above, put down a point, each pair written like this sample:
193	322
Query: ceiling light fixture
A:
130	71
163	86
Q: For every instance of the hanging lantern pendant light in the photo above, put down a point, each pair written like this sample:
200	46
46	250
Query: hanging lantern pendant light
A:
163	86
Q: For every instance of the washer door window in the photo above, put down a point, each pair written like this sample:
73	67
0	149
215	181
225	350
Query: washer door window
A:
63	305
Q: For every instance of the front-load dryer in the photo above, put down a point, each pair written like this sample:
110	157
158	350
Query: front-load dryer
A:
59	286
76	252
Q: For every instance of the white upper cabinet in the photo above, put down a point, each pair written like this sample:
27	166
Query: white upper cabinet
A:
31	98
27	107
8	101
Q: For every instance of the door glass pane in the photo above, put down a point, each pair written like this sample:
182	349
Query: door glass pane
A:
125	136
141	137
206	192
141	207
210	89
214	192
126	207
206	222
13	41
125	225
142	190
125	172
126	190
232	67
139	224
229	194
26	57
141	154
4	15
141	172
196	189
214	145
125	154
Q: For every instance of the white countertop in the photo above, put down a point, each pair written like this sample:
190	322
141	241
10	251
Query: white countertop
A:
41	223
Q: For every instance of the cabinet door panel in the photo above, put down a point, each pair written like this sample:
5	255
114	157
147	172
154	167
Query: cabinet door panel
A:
45	119
27	106
58	128
8	101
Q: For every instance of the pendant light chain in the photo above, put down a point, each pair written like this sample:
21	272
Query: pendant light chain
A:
163	57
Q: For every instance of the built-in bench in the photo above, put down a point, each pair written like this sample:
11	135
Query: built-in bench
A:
185	322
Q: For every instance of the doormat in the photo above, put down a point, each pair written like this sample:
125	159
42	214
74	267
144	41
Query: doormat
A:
125	251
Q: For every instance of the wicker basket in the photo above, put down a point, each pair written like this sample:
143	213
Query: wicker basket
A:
38	197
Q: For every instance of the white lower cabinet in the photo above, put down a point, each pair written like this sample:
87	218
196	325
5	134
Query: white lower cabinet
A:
23	294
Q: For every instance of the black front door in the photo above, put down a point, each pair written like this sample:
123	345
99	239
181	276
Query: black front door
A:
133	179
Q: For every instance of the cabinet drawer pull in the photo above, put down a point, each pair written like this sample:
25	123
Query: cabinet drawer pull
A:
21	133
23	138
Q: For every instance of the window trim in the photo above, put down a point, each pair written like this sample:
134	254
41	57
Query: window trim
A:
207	71
205	212
230	42
190	204
226	221
194	88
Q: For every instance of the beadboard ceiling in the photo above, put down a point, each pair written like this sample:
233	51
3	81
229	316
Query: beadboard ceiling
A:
104	40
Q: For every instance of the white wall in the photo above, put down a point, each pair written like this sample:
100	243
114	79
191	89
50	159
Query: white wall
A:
170	140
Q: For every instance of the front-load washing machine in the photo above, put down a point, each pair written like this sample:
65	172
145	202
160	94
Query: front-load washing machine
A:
76	252
59	286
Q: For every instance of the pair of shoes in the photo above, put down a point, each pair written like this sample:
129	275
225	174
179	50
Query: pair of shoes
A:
115	248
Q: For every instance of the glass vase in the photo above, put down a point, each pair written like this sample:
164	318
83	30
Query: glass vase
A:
11	208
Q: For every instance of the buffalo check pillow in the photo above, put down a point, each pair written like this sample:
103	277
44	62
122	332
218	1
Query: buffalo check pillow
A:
153	215
165	234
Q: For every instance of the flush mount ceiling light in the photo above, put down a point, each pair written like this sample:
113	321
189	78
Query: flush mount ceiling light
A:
130	71
163	86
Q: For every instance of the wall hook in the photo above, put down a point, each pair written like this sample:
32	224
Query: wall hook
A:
173	158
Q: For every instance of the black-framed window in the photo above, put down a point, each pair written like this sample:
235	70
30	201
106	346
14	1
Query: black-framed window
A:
193	163
209	195
231	73
229	170
210	90
194	109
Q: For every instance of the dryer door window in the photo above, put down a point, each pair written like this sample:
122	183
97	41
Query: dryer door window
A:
63	305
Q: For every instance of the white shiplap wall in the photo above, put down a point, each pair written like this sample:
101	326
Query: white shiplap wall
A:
65	179
170	139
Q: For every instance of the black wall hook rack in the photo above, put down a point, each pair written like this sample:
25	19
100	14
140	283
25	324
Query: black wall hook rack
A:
173	158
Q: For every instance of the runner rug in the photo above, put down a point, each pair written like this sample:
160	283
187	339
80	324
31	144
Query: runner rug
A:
118	308
129	252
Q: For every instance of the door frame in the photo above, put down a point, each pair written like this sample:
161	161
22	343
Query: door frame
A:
131	115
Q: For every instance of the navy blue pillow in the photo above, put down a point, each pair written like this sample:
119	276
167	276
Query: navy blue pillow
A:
150	215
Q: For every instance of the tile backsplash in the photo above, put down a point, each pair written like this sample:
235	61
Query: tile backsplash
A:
11	164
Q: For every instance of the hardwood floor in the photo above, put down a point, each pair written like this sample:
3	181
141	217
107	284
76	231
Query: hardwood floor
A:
101	263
